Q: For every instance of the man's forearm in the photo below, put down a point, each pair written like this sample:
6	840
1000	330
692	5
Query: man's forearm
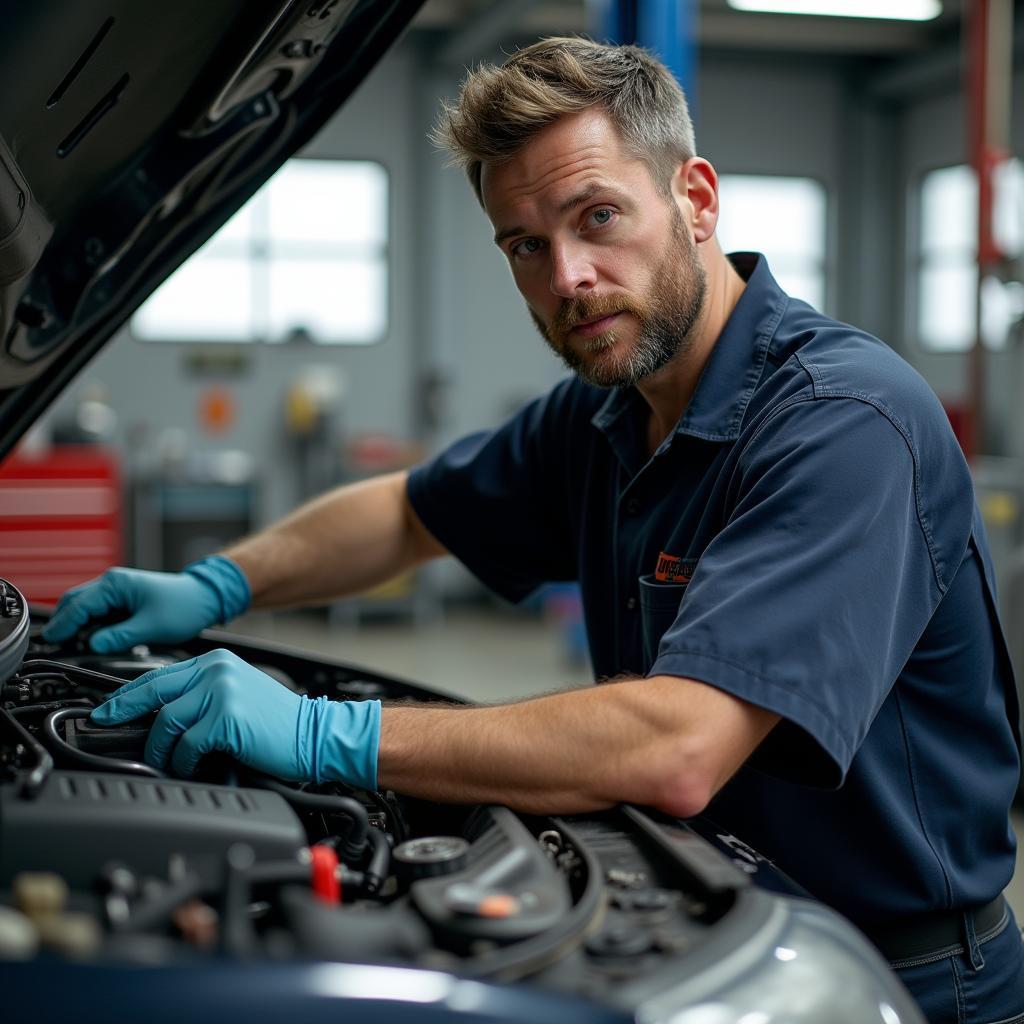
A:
665	742
343	542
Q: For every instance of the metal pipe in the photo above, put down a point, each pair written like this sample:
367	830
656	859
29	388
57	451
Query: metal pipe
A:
989	44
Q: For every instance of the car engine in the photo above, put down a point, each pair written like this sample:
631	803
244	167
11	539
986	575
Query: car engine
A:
105	860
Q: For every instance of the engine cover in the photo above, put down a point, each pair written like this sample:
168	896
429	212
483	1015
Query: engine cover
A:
78	820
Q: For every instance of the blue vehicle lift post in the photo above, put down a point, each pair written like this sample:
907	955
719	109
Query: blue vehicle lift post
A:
668	28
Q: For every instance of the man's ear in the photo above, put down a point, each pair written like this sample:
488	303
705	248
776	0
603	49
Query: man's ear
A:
695	192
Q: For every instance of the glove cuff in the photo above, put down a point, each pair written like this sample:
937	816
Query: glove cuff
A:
342	739
227	581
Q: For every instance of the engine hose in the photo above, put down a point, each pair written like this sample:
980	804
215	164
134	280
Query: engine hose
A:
61	668
376	871
103	764
33	782
355	842
23	710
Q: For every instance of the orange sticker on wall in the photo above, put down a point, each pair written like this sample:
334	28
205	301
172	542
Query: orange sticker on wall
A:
216	410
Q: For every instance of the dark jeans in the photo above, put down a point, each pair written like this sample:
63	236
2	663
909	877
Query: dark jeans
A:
978	982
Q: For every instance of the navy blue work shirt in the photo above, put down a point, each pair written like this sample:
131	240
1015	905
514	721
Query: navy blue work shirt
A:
807	540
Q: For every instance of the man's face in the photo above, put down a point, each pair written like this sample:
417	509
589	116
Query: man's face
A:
604	260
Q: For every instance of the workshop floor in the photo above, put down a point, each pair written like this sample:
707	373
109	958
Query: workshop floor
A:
480	655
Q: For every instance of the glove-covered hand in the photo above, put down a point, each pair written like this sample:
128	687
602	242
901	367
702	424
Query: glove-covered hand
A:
220	702
164	607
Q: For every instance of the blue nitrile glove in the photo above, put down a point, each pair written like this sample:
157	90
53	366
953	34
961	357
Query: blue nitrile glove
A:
165	607
220	702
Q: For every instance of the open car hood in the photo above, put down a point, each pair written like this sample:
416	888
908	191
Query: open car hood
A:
129	133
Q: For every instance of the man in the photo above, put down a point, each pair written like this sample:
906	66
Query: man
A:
785	578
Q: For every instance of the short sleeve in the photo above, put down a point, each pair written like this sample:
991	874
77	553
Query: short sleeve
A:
497	500
812	597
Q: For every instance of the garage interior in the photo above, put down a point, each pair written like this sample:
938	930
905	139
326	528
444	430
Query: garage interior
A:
869	130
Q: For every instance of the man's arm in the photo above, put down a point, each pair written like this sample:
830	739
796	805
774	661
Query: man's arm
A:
345	541
664	742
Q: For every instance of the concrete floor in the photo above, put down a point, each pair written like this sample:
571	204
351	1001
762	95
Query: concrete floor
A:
484	656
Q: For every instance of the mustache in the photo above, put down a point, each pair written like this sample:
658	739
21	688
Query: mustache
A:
583	308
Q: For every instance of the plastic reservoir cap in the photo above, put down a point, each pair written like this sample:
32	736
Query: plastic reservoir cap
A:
325	880
472	901
431	856
498	905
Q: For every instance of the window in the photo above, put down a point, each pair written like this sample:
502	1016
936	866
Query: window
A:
306	256
785	218
947	268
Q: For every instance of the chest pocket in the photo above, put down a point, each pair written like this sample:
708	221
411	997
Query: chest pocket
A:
659	606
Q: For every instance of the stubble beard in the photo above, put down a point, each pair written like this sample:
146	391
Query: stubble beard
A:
666	318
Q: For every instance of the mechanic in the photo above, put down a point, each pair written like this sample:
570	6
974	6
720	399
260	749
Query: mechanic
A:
786	583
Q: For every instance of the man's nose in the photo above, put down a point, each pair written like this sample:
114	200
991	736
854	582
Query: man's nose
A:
572	271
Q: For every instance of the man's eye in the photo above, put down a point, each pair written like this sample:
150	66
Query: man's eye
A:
527	247
602	217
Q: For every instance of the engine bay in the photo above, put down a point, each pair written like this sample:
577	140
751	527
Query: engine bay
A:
104	858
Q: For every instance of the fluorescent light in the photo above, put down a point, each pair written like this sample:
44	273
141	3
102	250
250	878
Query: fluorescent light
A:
900	10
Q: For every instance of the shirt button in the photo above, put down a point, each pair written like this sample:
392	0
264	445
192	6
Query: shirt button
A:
632	506
631	603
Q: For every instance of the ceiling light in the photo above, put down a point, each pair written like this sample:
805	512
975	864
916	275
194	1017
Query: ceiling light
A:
902	10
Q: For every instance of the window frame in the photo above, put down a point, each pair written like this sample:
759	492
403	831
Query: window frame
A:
915	234
827	261
259	260
916	263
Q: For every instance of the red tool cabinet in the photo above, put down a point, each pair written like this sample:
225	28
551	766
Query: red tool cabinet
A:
61	518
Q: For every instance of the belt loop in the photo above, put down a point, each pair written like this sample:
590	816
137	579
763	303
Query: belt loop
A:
971	942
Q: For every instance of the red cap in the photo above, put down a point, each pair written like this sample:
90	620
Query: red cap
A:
326	883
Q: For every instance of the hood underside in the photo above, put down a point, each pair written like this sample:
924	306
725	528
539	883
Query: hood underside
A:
130	131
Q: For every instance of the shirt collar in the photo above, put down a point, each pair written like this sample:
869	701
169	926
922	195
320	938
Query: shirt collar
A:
733	369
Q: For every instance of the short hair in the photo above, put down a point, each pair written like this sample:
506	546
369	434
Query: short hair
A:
500	108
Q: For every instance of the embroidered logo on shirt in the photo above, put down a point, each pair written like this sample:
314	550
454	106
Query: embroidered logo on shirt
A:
673	570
